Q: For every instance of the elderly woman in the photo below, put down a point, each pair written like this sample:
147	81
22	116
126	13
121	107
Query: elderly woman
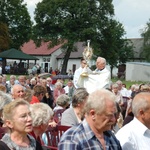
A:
41	114
17	117
58	90
62	102
115	90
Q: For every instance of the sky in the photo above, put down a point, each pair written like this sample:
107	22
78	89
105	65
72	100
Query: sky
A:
133	14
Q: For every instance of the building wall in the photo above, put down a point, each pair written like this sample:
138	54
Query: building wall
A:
50	60
137	71
71	62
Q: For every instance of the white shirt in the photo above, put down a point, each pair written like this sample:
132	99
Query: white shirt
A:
76	76
124	92
119	98
134	136
66	88
95	80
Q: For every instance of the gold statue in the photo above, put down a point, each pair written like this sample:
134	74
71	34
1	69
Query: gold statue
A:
87	55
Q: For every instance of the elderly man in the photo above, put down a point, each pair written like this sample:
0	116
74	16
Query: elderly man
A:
101	69
100	78
94	132
136	134
18	91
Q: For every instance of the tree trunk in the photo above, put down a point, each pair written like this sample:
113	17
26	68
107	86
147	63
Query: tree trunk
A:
65	62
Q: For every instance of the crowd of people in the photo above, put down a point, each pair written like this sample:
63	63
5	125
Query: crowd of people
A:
111	117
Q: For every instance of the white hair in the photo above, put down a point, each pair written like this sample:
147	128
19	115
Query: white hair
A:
4	99
41	114
97	100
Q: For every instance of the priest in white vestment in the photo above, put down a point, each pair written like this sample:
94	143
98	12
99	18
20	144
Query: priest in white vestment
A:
100	78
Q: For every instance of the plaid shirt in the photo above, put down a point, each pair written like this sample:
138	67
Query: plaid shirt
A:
82	137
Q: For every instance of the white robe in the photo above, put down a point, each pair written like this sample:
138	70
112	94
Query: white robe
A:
96	80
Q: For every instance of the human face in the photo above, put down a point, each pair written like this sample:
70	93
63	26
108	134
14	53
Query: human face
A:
21	121
18	92
22	81
106	119
44	83
83	63
100	65
115	89
49	81
70	84
12	81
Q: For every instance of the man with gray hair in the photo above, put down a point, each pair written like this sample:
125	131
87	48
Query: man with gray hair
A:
74	115
136	134
18	91
94	132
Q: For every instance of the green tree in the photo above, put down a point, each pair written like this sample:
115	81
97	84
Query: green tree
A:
146	44
15	15
80	20
71	21
4	37
113	46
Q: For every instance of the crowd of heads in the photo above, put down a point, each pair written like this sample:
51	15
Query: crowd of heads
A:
102	109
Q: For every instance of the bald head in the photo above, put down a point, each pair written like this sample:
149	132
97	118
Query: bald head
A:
141	108
140	101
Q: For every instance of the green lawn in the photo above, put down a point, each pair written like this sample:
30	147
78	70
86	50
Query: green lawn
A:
128	83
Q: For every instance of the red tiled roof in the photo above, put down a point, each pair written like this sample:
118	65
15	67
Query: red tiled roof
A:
30	48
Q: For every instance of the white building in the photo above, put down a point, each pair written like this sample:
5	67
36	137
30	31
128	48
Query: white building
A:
138	71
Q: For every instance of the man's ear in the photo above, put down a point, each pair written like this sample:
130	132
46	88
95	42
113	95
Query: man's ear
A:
92	114
9	123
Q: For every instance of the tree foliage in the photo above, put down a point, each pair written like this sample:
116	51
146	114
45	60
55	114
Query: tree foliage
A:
15	15
4	37
113	46
80	20
146	44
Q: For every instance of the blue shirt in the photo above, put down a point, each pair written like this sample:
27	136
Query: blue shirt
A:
81	137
